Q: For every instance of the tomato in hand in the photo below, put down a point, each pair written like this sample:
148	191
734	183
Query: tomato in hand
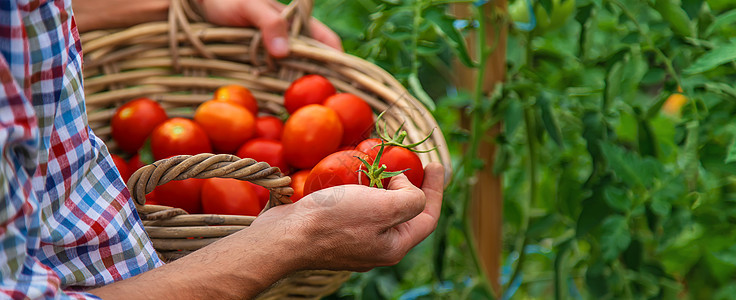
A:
346	147
227	125
239	95
355	115
297	183
229	197
269	127
339	168
370	147
134	121
184	194
309	89
310	134
396	159
122	167
266	150
179	136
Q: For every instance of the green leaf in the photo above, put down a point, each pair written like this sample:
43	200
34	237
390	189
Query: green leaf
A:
596	279
562	271
633	255
418	90
444	26
721	89
549	121
629	167
501	160
615	236
593	213
614	76
617	198
146	154
721	20
713	58
547	5
540	226
731	156
583	13
673	13
647	141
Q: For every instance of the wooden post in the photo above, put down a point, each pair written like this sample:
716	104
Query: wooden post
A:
487	197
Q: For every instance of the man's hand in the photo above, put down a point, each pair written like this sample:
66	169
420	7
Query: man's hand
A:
354	227
266	15
340	228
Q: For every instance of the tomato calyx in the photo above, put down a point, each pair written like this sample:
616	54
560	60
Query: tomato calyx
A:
397	139
376	172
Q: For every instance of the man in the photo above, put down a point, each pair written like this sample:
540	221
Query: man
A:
68	227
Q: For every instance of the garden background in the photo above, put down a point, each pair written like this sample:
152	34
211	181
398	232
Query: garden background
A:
615	149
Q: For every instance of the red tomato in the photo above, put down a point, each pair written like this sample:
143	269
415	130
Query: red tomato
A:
309	89
122	167
151	198
184	194
179	136
297	183
227	125
134	121
262	193
239	95
310	134
355	115
395	159
135	163
369	147
269	127
338	168
229	197
266	150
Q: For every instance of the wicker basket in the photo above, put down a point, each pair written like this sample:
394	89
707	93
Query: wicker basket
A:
180	64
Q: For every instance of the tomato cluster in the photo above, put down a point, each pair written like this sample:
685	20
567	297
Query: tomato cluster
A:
324	142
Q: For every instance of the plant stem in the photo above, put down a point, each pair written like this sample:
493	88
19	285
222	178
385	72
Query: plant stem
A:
531	135
417	22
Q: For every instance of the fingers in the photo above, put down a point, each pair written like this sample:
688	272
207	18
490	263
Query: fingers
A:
273	27
318	30
266	15
324	34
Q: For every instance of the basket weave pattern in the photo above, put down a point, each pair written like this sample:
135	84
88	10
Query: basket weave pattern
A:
180	64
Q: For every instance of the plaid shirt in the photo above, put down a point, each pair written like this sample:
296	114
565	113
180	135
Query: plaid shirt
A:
66	219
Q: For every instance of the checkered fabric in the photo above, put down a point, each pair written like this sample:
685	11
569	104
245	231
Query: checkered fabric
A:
67	222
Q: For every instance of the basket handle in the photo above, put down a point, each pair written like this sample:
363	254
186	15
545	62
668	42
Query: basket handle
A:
207	165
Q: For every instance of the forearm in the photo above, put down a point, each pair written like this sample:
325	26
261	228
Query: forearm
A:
95	14
239	266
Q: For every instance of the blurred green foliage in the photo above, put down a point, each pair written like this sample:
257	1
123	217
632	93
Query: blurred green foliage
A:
605	195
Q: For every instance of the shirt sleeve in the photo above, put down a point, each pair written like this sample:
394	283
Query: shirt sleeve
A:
22	276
